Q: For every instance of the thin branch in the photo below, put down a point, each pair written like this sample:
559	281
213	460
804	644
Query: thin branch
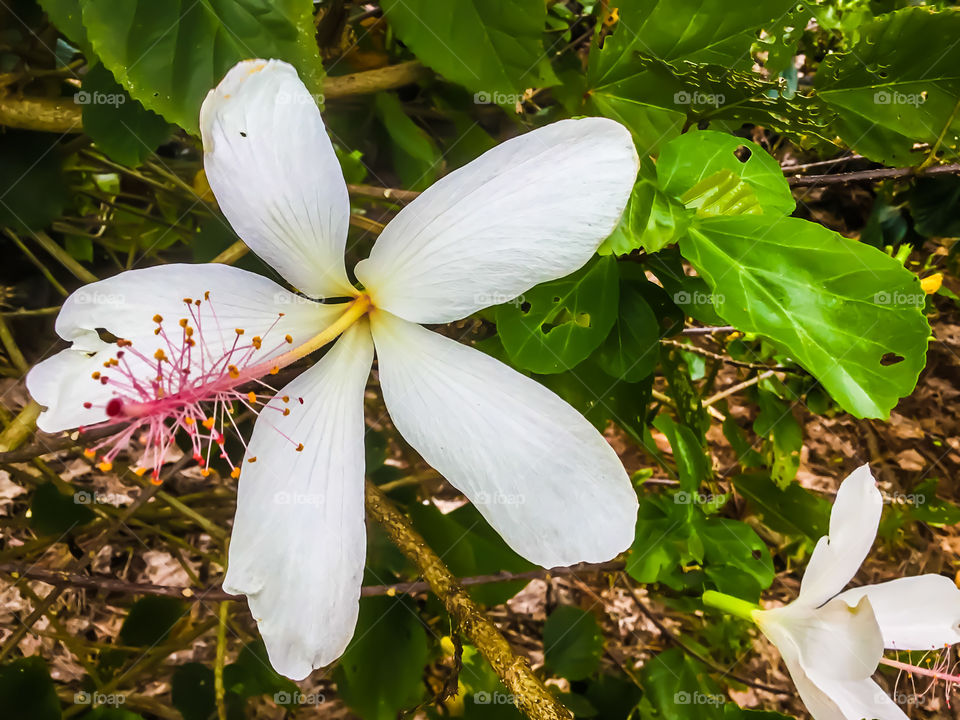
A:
871	175
62	115
530	695
110	584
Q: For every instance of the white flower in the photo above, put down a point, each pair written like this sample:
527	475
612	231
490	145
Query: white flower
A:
531	210
832	641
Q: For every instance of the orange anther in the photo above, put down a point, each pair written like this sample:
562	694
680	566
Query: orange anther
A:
235	473
288	339
105	466
209	423
257	341
158	319
252	396
300	447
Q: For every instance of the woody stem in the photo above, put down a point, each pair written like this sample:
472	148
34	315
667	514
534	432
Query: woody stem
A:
530	695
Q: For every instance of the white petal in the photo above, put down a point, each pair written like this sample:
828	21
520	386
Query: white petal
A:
532	209
298	544
540	474
914	613
126	304
853	527
856	700
275	175
841	641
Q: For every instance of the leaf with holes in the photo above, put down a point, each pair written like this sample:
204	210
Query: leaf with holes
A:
895	87
558	324
848	313
694	157
169	54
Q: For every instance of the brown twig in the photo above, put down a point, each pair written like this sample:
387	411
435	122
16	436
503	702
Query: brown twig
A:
62	115
110	584
871	175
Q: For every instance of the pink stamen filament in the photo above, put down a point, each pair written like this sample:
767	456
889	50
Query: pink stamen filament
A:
172	396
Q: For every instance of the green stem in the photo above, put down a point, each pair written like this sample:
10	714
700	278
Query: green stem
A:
730	605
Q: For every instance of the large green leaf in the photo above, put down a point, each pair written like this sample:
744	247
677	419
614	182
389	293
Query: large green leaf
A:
558	324
848	313
897	86
494	48
381	671
646	96
572	642
693	157
31	175
169	54
791	510
27	692
118	124
416	157
150	620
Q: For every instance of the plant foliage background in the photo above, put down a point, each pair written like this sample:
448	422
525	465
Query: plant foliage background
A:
754	329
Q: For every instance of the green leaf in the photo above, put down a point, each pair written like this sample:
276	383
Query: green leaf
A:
695	156
27	692
652	219
381	671
416	157
680	688
935	206
169	54
118	124
31	175
688	452
150	620
572	643
558	324
55	513
65	14
192	691
699	31
789	510
895	87
630	78
848	313
776	419
489	48
632	348
686	550
252	674
469	546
